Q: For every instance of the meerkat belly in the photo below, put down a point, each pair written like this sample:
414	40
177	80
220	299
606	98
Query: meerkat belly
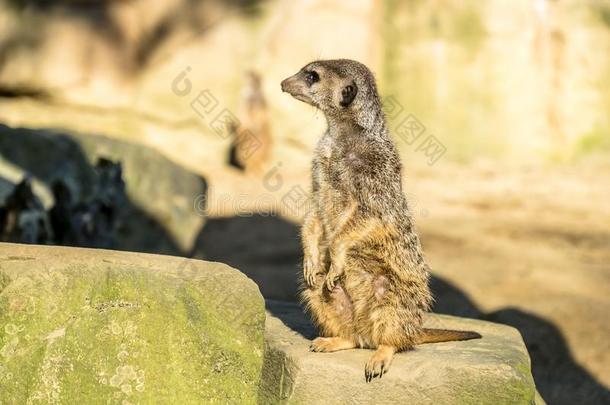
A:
363	265
367	284
385	274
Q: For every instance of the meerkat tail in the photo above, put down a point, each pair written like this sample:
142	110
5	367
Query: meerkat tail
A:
445	335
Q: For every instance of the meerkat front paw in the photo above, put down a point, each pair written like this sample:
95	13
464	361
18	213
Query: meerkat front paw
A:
311	269
333	275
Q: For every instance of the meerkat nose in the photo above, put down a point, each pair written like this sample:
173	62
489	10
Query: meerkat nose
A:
284	85
290	85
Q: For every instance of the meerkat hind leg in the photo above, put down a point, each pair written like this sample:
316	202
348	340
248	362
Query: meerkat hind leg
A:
331	344
379	363
337	321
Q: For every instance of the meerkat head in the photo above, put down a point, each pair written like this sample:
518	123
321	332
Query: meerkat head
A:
340	88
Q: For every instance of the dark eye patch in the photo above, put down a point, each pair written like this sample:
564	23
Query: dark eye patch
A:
312	77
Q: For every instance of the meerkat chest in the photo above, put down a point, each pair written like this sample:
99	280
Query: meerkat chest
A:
331	167
329	196
321	162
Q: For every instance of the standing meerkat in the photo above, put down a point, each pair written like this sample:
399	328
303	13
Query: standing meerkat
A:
252	141
365	277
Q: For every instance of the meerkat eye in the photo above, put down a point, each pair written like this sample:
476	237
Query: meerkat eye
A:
311	77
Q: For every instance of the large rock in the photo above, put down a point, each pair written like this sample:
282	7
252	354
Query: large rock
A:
81	326
492	370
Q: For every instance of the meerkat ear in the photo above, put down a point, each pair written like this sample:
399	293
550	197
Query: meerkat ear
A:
348	94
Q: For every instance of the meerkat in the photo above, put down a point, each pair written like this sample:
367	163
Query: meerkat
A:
365	279
252	142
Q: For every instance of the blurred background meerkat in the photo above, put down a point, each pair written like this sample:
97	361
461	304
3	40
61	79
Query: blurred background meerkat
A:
252	142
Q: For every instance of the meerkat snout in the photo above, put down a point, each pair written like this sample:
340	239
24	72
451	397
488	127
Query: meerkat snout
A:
297	88
289	85
284	85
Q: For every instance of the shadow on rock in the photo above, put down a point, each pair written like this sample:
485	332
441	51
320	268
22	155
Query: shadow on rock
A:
266	248
6	187
286	314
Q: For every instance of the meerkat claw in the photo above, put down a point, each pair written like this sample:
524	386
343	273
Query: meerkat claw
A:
309	272
330	282
379	363
312	279
331	277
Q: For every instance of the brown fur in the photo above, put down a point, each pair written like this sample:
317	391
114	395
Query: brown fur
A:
365	277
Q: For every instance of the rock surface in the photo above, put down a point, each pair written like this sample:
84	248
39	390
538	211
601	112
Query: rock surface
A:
491	370
94	326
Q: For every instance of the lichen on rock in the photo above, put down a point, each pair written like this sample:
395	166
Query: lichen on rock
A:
94	326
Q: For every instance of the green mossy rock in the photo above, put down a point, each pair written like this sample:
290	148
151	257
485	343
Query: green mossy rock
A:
83	326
